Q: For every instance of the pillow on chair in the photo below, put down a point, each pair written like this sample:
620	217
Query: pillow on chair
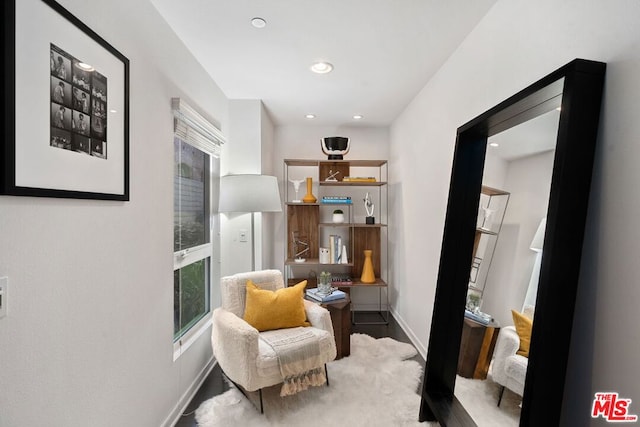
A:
284	308
523	326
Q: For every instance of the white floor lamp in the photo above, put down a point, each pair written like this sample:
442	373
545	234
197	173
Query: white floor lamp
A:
249	194
536	246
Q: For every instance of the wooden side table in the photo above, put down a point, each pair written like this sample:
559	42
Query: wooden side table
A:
476	348
341	319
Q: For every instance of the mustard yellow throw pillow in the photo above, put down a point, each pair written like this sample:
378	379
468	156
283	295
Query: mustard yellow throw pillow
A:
284	308
523	326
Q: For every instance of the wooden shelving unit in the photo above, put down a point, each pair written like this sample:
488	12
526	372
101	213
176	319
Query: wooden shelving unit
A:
486	236
313	222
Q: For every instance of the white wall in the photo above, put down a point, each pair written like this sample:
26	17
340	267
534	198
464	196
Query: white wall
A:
270	231
89	335
517	43
241	155
248	151
528	180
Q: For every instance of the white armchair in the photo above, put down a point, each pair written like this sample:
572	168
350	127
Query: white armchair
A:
244	357
508	368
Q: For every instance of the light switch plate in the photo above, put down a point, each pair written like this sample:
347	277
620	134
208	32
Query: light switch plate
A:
4	283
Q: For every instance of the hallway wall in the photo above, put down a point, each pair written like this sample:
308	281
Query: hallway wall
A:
517	43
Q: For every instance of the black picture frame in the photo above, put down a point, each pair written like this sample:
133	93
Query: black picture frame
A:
84	154
579	87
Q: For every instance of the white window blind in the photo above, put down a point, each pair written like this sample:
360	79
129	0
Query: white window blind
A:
194	129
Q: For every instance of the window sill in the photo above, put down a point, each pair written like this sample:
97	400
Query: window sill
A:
182	345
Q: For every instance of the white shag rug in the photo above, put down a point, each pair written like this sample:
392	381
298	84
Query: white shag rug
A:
375	386
480	399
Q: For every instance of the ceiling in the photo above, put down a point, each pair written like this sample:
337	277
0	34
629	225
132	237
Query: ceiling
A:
534	136
383	51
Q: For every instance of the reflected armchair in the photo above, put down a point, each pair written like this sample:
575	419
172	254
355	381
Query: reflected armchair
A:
508	368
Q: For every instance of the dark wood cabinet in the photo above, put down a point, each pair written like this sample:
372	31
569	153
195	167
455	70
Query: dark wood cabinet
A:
341	319
476	348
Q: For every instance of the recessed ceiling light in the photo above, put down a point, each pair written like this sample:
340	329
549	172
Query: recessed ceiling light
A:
494	144
310	116
321	67
357	116
258	22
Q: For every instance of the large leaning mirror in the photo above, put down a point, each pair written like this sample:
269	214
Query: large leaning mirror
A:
507	252
576	89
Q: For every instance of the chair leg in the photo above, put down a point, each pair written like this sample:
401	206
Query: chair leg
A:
326	374
500	396
241	389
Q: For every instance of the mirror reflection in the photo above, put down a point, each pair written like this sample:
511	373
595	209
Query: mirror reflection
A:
507	252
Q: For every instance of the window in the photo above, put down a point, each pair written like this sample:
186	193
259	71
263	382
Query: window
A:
196	167
192	236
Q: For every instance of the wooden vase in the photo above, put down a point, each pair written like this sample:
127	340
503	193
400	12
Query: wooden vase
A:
368	275
309	197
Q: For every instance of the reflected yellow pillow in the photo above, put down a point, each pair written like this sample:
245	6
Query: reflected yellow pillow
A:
523	326
284	308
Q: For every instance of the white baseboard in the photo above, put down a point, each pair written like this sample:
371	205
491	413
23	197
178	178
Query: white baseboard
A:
173	418
412	336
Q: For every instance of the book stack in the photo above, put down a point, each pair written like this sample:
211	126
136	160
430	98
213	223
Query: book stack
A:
313	294
338	200
337	250
341	280
479	317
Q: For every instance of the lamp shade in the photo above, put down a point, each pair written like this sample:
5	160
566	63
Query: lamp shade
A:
538	238
249	193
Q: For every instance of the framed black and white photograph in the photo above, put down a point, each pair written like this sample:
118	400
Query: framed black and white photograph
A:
67	124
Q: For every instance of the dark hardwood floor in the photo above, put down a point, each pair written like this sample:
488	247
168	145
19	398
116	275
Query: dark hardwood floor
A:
214	384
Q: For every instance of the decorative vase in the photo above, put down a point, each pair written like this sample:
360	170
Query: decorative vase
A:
368	276
324	256
309	197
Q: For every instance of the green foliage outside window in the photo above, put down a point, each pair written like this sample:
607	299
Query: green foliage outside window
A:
190	302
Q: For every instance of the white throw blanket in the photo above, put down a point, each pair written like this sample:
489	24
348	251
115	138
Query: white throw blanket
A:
298	353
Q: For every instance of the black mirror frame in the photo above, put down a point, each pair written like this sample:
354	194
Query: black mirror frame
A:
568	201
